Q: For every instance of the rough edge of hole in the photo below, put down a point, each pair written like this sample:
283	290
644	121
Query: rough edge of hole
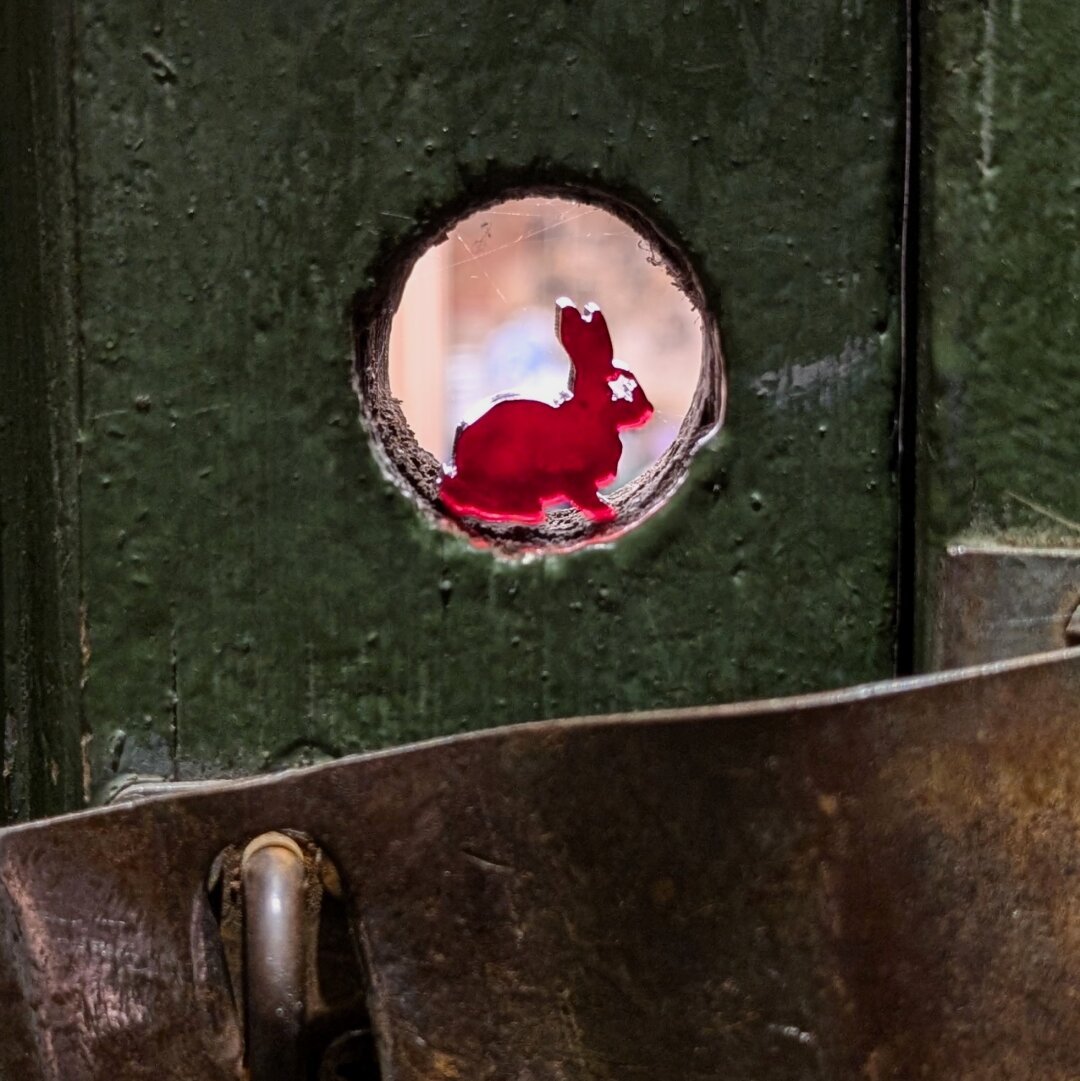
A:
415	471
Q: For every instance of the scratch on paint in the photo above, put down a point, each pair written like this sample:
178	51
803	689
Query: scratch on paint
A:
1046	512
174	697
984	106
486	864
85	743
824	375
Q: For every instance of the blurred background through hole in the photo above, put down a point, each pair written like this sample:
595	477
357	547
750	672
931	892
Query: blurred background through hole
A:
477	319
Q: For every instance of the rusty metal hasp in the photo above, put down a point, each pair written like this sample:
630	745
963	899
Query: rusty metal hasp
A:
877	883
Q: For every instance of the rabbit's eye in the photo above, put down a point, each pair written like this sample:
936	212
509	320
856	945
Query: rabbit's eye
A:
623	387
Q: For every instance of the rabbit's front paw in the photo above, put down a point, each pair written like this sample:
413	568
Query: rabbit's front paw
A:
588	501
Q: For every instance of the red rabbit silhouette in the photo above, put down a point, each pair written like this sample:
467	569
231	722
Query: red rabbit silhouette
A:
522	456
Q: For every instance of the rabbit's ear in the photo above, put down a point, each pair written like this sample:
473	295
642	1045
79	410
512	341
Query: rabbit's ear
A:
567	324
586	337
600	339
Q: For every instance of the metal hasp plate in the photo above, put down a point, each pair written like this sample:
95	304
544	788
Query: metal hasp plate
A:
878	883
1000	601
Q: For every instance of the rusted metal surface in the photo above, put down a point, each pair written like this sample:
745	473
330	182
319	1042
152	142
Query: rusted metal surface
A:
998	602
878	883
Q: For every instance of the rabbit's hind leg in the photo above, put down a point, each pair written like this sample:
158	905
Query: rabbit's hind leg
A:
587	499
477	501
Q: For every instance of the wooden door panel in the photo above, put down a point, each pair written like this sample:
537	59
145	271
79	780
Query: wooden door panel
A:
255	590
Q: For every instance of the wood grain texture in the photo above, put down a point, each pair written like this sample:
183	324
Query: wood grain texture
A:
40	768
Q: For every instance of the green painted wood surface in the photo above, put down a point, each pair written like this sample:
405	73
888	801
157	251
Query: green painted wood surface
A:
256	591
40	768
1000	299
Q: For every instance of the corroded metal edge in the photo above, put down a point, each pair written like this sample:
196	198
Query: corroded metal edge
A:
143	790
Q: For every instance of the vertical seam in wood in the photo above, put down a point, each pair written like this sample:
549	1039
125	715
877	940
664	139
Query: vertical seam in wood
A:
907	405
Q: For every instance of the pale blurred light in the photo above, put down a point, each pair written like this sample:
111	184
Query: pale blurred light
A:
478	312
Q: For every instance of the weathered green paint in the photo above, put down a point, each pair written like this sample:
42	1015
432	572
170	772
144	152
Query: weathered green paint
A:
1000	298
40	770
255	589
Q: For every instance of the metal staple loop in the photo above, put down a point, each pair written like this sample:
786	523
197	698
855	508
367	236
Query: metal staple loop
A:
273	873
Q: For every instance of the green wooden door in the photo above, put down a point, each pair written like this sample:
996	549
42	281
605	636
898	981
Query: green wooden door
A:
206	571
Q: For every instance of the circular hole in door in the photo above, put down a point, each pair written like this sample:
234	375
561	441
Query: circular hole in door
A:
473	316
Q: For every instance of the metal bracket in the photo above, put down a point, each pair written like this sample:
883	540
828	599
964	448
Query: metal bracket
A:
998	601
879	882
